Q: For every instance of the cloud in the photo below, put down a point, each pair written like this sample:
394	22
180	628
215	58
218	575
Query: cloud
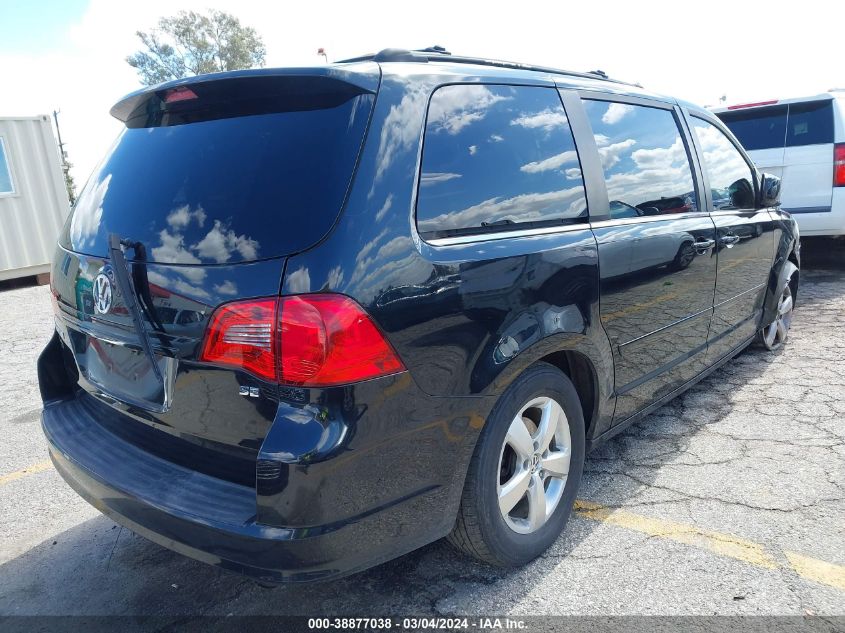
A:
453	108
181	217
228	288
172	249
610	154
659	172
722	161
616	112
553	162
388	202
473	149
496	138
546	120
527	207
221	243
89	212
299	281
434	177
178	286
400	132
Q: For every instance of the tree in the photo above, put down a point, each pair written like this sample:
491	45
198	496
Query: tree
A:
191	43
70	184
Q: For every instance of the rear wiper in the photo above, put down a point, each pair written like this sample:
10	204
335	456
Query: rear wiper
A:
121	273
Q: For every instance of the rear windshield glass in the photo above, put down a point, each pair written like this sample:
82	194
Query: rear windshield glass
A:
225	190
760	128
810	123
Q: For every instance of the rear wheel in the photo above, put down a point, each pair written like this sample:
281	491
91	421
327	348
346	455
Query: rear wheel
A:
525	472
774	335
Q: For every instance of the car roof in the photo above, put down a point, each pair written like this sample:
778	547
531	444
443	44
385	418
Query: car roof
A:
437	61
823	96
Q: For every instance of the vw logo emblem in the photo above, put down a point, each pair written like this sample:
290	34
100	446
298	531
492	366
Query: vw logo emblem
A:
102	294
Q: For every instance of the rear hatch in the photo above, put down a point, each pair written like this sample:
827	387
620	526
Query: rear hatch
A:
214	181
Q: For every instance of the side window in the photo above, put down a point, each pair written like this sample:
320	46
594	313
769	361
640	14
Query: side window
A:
645	162
497	158
810	123
729	175
5	171
760	128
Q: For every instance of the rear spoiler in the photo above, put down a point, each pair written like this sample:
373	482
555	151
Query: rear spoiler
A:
242	92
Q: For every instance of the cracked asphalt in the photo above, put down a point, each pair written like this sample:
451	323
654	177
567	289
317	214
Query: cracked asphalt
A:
730	500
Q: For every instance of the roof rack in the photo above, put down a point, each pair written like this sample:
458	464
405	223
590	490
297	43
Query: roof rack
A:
438	54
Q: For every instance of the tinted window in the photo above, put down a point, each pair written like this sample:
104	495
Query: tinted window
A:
5	171
495	157
729	175
760	128
224	190
810	123
644	158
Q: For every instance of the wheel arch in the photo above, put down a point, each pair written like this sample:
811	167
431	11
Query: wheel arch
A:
587	364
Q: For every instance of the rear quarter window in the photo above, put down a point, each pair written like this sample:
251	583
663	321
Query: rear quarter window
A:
810	123
497	158
760	128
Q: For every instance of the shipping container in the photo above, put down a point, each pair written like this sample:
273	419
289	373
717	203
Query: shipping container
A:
33	197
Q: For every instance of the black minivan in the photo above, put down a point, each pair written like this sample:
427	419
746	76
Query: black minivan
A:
308	320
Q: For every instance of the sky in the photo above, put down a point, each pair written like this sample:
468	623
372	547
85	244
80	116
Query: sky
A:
69	55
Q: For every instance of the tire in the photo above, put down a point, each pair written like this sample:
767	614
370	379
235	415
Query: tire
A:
773	336
485	531
684	257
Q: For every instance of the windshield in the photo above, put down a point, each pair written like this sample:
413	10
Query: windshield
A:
224	190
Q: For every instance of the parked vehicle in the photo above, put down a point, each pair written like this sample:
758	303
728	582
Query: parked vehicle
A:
412	308
802	141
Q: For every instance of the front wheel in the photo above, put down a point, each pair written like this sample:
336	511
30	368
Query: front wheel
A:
774	335
525	473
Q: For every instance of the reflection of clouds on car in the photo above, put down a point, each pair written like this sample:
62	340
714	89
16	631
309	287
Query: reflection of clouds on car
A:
616	112
635	170
553	162
219	244
527	207
546	119
534	177
432	178
460	106
728	173
88	212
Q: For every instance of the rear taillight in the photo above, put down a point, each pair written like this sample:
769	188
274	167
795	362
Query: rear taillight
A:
839	165
317	340
242	334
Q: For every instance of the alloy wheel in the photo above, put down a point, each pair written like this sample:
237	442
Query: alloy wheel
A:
533	465
775	334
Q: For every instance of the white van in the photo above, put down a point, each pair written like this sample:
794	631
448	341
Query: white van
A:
803	142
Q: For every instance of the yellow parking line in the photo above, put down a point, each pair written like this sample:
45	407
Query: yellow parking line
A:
23	472
722	544
817	570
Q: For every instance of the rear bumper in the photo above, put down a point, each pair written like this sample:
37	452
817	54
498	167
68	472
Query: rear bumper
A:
214	520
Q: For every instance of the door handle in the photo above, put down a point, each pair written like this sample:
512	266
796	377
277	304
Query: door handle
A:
730	240
702	246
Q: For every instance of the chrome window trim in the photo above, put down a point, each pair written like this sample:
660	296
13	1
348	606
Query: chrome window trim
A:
747	211
503	235
646	219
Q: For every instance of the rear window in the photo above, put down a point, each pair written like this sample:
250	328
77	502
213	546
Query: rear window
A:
227	180
810	123
760	128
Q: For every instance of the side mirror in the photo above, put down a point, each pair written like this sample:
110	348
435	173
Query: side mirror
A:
769	191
